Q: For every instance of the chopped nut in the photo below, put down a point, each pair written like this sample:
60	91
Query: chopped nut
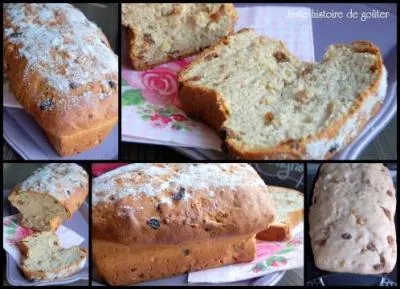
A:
330	108
301	96
390	193
390	240
361	221
165	46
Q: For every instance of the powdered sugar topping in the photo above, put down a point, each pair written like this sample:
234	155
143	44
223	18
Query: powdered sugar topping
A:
61	44
168	182
59	180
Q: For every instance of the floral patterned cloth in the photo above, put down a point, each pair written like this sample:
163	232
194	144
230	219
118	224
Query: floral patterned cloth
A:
270	257
13	233
151	109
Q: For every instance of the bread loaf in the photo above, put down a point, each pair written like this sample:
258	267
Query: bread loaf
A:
50	195
352	219
45	259
289	206
160	33
175	218
267	104
62	70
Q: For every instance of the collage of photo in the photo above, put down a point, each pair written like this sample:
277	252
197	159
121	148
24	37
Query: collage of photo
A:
199	144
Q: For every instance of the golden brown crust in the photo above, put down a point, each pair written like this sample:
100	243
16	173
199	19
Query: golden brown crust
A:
32	89
122	265
292	149
192	220
83	140
134	50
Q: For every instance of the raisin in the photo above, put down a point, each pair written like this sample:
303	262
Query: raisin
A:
390	193
15	34
378	267
223	133
46	105
333	149
179	195
147	38
280	57
371	247
224	147
112	84
346	236
153	223
373	68
382	260
390	240
387	213
210	56
185	252
112	198
268	118
68	192
74	85
320	242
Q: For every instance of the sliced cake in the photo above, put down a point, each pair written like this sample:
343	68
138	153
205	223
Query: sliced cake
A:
289	206
159	33
45	259
267	104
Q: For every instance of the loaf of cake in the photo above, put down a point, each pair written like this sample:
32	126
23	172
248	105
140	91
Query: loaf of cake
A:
267	104
63	72
157	220
158	33
352	219
43	258
289	206
50	195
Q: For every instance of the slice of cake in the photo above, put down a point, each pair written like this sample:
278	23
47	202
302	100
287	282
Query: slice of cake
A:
289	206
45	259
159	33
267	104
